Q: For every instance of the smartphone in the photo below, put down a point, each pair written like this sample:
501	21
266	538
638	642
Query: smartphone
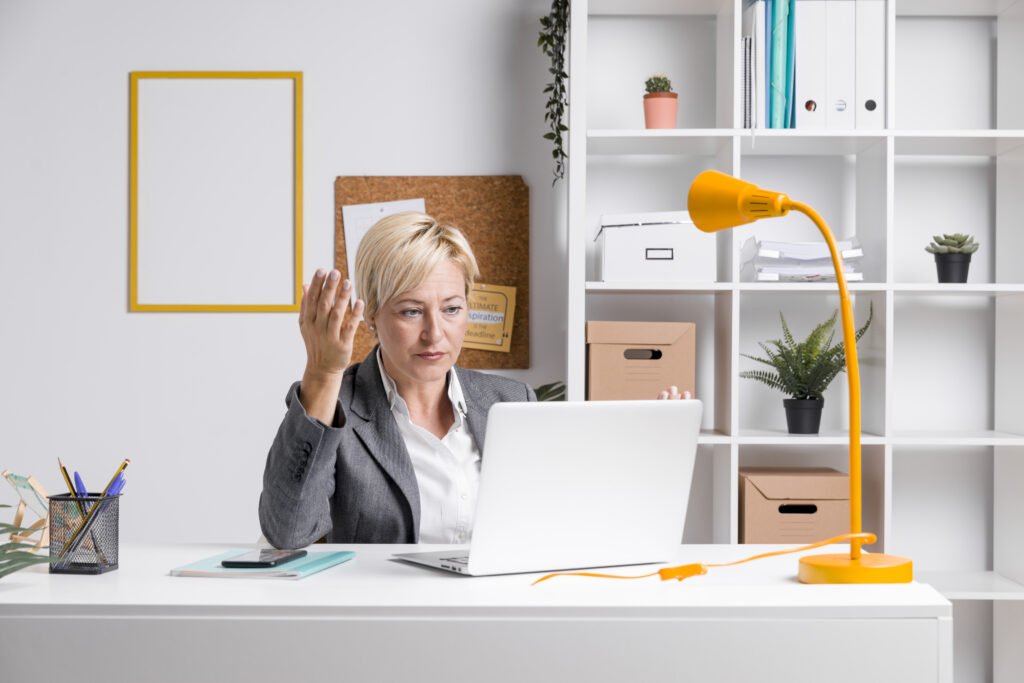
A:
264	557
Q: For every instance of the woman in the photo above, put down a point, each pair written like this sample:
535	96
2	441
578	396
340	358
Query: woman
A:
386	450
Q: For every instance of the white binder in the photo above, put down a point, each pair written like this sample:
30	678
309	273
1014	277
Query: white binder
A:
840	42
754	26
810	65
870	52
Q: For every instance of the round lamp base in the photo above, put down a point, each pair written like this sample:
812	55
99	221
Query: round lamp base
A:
868	568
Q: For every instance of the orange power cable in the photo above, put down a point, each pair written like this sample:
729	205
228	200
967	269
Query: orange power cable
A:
685	571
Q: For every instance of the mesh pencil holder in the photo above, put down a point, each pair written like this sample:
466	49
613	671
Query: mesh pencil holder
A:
83	534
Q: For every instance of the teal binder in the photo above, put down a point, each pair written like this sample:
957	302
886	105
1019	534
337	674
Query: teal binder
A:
296	569
791	67
780	46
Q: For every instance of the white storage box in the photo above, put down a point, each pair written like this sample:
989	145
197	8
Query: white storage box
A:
662	246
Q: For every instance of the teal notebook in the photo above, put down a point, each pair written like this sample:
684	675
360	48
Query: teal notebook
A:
296	569
780	50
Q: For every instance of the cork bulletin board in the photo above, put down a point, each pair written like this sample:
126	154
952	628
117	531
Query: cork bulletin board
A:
494	214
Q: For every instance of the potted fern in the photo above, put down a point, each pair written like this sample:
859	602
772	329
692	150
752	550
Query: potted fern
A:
952	256
803	370
661	105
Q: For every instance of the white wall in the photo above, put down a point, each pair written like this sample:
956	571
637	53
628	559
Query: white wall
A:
403	87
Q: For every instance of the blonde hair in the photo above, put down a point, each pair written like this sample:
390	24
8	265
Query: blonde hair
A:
400	251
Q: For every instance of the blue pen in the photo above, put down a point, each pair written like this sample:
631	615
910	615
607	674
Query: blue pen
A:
118	485
80	486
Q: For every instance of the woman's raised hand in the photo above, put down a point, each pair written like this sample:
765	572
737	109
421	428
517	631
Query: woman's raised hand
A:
672	394
328	326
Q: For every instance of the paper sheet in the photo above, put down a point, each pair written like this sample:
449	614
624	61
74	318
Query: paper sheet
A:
359	218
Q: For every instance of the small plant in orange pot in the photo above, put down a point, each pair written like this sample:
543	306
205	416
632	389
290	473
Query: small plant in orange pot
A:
660	104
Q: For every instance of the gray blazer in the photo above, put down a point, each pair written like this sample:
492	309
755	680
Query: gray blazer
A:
354	480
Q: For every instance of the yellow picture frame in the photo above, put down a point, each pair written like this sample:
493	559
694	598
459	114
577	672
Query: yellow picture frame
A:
295	286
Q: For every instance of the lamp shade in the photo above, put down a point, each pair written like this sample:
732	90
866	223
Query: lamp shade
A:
718	201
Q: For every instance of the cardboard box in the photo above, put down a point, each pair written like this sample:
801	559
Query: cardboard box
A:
662	246
636	360
785	505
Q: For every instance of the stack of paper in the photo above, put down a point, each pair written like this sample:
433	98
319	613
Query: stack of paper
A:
771	261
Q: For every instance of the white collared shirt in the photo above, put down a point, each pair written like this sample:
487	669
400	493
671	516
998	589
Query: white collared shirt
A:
447	470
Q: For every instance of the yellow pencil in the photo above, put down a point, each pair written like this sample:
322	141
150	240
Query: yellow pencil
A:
71	487
120	469
67	479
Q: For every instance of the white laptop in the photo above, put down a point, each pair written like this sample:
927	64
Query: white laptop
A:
578	484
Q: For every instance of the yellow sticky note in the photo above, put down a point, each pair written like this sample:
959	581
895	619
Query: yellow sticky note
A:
491	311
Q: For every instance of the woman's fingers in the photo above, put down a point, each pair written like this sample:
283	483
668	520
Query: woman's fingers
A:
326	303
672	394
339	310
348	330
312	297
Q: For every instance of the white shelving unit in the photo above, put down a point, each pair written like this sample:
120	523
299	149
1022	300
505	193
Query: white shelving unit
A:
942	366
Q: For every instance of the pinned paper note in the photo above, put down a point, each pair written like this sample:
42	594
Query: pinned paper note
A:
491	312
359	218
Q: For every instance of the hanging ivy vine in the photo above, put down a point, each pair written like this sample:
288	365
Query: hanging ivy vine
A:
553	35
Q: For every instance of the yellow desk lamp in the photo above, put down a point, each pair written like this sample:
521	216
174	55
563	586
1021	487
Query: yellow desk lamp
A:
718	201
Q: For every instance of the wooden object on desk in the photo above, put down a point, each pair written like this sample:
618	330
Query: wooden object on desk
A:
494	214
28	486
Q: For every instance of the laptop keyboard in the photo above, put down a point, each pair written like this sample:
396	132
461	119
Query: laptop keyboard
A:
464	559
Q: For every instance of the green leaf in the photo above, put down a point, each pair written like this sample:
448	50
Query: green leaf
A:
555	391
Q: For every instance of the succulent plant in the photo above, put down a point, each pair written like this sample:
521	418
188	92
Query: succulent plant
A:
952	244
804	369
658	83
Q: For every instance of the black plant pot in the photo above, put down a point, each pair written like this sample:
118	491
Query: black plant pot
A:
952	267
803	415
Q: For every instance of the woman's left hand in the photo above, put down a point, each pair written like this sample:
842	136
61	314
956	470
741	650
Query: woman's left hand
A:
672	394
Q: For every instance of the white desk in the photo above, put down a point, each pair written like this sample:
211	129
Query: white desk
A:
376	619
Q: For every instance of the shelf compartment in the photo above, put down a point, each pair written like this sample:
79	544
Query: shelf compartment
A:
934	53
848	190
967	188
704	142
711	312
761	411
656	183
968	585
837	457
943	364
942	513
956	65
691	43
